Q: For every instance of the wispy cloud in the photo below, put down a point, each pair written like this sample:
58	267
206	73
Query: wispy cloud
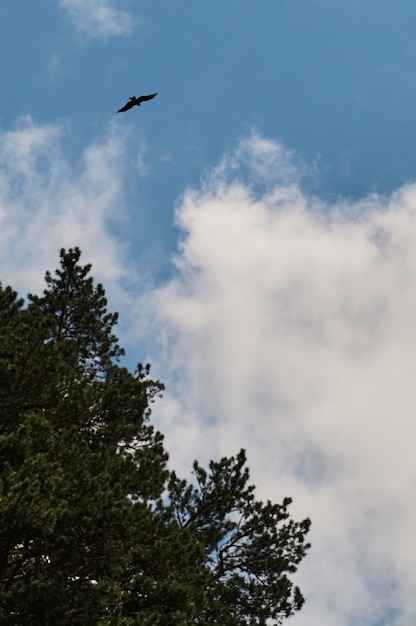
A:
290	329
47	203
98	18
54	66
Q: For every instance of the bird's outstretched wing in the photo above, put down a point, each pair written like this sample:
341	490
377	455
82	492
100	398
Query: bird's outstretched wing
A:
127	106
144	98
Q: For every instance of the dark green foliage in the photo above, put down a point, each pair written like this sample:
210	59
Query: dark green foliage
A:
93	528
80	312
250	547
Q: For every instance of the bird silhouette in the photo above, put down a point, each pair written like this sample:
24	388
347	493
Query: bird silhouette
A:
133	101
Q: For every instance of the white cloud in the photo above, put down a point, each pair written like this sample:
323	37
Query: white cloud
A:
290	329
98	18
46	203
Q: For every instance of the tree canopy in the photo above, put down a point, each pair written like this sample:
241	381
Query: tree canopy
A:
94	528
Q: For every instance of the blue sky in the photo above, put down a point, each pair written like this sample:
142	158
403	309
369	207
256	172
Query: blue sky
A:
255	226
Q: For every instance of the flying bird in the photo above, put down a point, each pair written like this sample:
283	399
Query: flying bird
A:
133	101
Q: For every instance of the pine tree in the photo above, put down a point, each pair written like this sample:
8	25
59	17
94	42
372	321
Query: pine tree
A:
80	312
80	464
249	547
94	530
